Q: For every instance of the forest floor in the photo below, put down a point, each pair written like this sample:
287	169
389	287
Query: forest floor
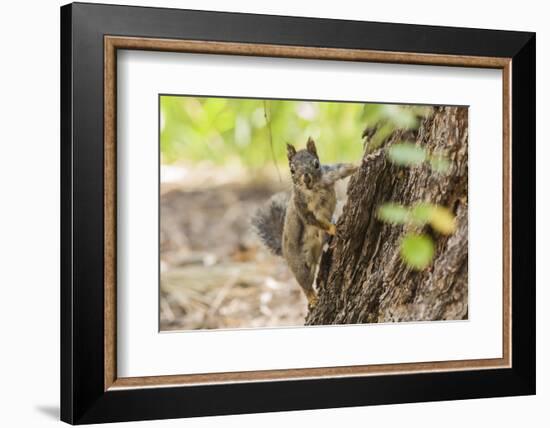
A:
215	274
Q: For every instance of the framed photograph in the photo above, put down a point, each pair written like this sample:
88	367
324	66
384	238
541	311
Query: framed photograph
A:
266	213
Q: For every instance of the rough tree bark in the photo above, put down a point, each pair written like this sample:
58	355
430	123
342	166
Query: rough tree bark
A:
362	278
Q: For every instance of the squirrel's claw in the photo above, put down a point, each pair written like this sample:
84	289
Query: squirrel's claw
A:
331	229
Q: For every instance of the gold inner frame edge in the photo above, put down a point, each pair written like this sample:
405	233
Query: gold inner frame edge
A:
113	43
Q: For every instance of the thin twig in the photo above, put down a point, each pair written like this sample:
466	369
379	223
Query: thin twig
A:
268	121
220	297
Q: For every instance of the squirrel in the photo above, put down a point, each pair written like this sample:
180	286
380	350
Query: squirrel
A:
293	225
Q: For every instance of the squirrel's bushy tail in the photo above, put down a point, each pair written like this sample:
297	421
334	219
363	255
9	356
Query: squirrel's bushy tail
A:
269	220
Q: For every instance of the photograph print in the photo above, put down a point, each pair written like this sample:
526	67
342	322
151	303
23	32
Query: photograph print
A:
288	213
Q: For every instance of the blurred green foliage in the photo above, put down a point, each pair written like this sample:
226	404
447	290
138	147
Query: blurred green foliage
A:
386	118
440	163
230	129
393	213
406	154
417	250
410	154
254	132
440	218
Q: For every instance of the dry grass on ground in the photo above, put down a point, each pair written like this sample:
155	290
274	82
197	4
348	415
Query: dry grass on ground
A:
214	272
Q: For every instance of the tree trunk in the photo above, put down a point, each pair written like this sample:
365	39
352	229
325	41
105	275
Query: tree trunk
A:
362	278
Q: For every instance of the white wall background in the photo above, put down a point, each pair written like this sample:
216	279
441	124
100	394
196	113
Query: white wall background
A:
29	213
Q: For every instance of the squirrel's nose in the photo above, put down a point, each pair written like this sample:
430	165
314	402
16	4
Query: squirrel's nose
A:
307	179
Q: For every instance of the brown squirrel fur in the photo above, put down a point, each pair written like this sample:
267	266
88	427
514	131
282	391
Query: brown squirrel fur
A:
294	225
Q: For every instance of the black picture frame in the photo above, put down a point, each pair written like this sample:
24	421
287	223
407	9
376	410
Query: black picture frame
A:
83	396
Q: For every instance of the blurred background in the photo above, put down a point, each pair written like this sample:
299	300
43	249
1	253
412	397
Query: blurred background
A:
221	158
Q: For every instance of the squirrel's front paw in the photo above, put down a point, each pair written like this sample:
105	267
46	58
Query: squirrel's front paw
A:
312	300
331	229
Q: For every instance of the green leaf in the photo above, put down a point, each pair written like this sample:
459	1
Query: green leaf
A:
393	213
440	164
417	250
407	154
400	116
441	218
384	130
421	213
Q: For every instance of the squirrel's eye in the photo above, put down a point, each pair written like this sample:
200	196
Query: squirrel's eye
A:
316	163
291	169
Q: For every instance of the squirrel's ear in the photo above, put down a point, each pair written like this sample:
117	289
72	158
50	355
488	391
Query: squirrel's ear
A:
311	147
290	151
